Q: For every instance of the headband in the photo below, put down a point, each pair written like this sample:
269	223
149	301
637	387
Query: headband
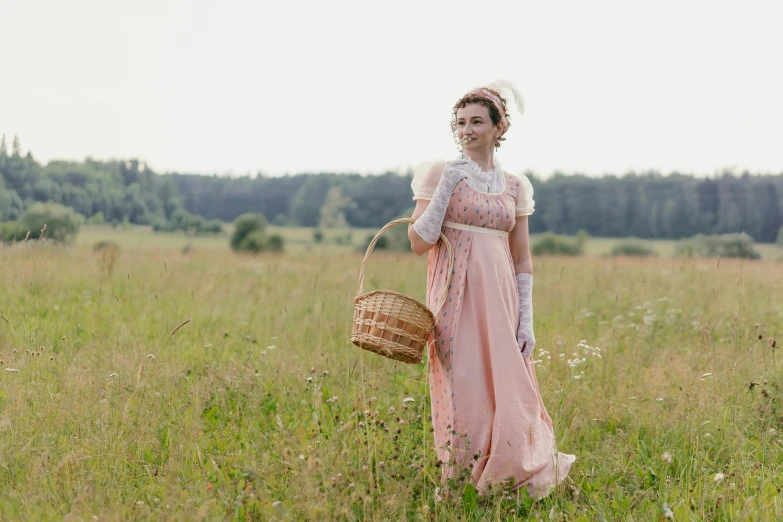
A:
500	86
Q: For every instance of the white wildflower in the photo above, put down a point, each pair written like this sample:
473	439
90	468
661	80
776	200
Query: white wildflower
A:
12	369
667	512
667	457
408	399
719	477
150	356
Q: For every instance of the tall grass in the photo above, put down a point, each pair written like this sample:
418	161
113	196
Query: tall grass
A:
217	386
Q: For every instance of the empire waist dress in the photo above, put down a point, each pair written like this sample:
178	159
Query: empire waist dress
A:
489	419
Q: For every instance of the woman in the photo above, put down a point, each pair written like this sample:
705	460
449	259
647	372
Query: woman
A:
489	419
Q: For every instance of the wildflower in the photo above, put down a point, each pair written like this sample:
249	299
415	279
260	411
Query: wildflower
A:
408	399
325	373
719	477
309	379
667	512
708	435
381	464
302	457
667	457
391	409
113	375
772	431
436	496
659	399
150	356
12	369
271	347
312	370
707	374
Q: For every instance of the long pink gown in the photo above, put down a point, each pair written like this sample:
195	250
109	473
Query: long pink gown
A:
486	407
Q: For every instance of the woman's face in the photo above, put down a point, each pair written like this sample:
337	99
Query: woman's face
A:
473	122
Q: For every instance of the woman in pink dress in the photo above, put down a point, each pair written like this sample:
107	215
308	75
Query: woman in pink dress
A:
489	420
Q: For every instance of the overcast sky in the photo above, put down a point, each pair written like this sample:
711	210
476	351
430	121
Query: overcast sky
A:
306	86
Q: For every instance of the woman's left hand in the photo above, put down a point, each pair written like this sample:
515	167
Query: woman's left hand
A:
525	337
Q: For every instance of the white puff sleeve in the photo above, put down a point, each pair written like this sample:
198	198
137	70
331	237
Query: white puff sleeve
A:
525	203
425	179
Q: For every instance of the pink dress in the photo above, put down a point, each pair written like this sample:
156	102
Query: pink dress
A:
486	407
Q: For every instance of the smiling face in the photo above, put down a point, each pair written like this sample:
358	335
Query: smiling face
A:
474	122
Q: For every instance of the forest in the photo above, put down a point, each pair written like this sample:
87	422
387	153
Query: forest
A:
648	205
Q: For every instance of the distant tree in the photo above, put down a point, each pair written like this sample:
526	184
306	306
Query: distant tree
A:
17	147
244	226
333	209
62	223
3	148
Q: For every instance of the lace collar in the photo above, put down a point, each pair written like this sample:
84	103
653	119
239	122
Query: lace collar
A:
491	181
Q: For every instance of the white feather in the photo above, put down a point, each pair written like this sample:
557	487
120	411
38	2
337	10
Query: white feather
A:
505	87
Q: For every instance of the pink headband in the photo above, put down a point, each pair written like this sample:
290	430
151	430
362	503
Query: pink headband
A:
487	95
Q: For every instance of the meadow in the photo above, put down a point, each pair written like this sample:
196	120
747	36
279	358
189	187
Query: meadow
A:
207	385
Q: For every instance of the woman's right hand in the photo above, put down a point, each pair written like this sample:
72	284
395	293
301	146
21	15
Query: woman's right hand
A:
454	172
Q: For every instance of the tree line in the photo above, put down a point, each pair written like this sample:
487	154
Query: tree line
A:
645	205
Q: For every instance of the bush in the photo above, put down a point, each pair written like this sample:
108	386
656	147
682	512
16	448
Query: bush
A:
96	219
245	225
255	241
274	243
318	235
11	231
556	245
381	244
723	245
632	248
62	223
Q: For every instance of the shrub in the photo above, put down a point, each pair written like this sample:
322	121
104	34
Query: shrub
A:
318	235
11	231
381	244
96	219
62	223
245	225
255	241
274	243
557	245
723	245
632	248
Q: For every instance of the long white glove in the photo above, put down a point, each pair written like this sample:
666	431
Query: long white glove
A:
430	222
525	337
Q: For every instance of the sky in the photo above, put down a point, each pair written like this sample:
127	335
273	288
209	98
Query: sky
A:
238	87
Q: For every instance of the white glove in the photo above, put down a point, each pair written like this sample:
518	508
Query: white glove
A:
525	337
430	222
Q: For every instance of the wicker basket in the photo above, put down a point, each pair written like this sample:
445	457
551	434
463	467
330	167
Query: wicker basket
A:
392	324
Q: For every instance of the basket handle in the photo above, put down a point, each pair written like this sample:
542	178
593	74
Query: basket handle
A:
443	238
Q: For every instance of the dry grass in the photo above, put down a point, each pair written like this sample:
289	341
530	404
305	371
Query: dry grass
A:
121	409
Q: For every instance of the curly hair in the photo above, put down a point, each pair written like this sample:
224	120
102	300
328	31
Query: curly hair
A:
494	114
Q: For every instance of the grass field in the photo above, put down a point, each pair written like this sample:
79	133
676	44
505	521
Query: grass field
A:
215	386
299	240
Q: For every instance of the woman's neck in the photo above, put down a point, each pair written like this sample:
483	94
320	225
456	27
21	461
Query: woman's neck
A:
485	159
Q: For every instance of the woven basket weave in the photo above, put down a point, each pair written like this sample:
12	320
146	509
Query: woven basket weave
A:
392	324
